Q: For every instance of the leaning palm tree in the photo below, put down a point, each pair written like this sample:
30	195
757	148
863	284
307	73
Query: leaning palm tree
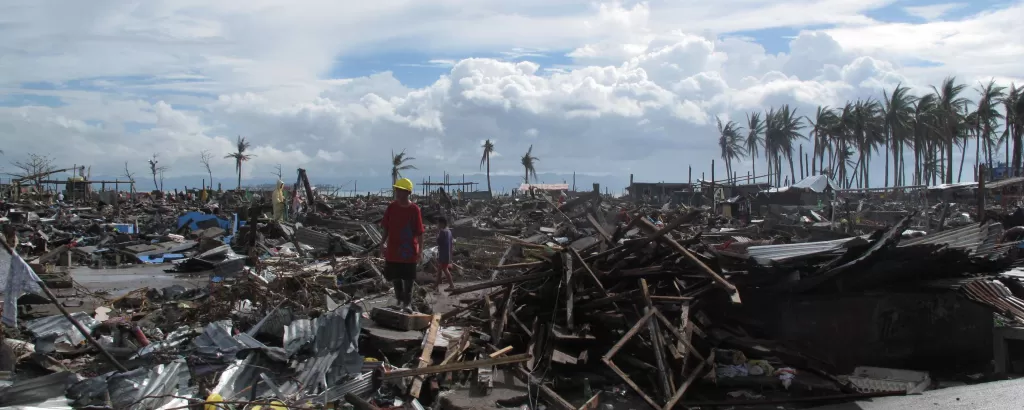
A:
486	159
755	128
729	141
240	156
528	161
399	163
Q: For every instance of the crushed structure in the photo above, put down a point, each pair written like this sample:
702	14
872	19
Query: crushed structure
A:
711	295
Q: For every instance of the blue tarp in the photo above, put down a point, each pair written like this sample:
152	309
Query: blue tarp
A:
125	228
199	217
167	257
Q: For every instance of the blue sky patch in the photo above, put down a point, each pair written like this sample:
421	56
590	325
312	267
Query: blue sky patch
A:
24	100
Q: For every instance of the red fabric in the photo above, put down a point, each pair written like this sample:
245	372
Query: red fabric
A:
404	225
443	266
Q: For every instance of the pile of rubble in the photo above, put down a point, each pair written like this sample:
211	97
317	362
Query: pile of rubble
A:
588	303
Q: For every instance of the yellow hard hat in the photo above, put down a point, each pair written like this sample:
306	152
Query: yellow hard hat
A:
212	402
404	184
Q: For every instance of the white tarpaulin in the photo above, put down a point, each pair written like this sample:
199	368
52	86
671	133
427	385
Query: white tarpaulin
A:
16	279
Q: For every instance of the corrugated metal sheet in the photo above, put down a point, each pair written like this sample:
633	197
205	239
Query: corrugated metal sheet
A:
44	392
374	233
336	344
217	335
1005	182
977	240
142	388
360	385
297	334
60	326
997	296
318	240
766	254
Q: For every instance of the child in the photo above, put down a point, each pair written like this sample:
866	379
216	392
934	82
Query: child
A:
444	253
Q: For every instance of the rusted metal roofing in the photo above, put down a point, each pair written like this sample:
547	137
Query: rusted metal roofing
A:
997	296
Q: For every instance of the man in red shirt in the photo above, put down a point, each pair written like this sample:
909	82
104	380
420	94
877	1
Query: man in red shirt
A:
403	234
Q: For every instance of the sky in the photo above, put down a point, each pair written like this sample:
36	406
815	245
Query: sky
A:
600	89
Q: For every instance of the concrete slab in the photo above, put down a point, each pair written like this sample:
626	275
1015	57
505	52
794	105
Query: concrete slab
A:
119	281
990	396
461	398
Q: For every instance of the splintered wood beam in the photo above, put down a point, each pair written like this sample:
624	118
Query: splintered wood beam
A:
607	359
520	265
667	388
428	350
498	328
503	350
590	272
597	226
451	367
549	395
567	263
679	335
733	293
459	310
689	380
500	282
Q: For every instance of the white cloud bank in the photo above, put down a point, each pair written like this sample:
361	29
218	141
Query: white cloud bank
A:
638	95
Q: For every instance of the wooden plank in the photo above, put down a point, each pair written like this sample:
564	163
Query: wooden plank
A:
451	367
428	350
500	282
686	384
498	328
567	260
459	310
667	388
590	272
549	395
597	226
733	293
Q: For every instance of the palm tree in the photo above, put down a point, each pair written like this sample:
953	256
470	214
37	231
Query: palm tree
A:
399	163
729	141
240	156
951	116
528	161
898	110
986	117
755	128
486	158
824	120
1013	109
923	128
784	131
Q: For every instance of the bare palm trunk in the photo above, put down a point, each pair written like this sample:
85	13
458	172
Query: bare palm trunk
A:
239	178
885	153
489	174
949	152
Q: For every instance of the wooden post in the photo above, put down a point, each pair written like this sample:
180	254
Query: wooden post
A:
981	193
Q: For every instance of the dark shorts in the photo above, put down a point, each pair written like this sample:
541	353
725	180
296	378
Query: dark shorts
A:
398	270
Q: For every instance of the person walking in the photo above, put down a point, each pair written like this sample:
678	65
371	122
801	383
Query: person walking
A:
402	236
279	201
444	253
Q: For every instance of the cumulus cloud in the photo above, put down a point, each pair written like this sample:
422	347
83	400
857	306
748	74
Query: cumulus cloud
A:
636	89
